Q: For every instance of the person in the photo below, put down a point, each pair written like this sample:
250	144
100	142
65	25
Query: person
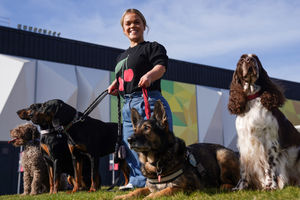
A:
142	65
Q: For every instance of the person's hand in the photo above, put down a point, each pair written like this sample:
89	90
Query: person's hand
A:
145	81
112	89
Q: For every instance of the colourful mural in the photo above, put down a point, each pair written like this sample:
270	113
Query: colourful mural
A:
291	109
182	100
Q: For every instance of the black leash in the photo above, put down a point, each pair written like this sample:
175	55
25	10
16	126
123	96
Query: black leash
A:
117	153
93	105
89	109
120	133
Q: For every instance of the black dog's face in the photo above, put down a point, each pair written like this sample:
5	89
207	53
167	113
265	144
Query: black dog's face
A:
152	134
56	112
46	112
28	113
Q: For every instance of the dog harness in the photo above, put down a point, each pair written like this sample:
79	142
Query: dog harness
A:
167	178
191	160
196	164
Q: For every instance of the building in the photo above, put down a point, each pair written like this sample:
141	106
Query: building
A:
36	67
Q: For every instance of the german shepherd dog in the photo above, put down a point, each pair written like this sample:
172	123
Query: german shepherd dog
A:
170	166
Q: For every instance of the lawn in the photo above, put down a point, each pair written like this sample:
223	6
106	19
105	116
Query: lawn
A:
288	193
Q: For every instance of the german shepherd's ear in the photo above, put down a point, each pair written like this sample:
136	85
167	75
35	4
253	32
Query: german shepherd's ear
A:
159	113
135	117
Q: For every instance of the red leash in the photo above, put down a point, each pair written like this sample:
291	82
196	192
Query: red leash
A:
147	106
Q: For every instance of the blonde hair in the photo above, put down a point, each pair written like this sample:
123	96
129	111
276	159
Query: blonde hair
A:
136	11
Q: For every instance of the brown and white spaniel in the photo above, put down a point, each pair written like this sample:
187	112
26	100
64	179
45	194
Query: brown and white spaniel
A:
267	140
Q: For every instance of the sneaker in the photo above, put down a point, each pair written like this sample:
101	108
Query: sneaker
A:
129	186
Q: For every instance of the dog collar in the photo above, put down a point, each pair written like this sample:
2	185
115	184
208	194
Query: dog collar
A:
166	178
46	131
255	95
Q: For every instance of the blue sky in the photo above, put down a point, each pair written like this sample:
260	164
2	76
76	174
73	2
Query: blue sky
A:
210	32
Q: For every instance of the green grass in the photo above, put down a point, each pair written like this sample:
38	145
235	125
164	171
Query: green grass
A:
288	193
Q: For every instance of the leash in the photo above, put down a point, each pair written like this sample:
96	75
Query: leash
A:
119	151
117	154
147	105
89	109
93	105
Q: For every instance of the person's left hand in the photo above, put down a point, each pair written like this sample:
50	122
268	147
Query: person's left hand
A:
145	81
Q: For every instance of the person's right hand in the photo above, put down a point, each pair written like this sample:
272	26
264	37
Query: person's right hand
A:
112	89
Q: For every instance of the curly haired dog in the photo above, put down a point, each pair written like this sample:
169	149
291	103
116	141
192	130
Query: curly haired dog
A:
267	140
35	170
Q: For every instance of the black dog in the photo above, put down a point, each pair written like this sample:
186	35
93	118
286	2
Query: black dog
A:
53	145
90	137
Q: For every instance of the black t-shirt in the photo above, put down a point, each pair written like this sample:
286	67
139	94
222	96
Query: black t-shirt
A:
133	63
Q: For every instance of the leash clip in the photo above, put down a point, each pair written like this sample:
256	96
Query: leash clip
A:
192	160
60	129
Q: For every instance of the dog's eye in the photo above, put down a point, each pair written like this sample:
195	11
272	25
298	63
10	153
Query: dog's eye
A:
146	127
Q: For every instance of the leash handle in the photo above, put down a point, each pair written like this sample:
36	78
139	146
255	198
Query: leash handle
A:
147	105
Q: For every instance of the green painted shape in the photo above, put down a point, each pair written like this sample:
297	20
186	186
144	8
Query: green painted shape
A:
178	119
167	86
180	102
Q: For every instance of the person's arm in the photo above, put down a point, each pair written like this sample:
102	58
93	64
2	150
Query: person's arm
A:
154	74
112	89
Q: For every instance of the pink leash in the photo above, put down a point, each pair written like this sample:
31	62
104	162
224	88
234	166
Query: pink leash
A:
147	106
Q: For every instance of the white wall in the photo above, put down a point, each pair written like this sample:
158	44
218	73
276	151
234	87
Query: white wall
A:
215	123
27	81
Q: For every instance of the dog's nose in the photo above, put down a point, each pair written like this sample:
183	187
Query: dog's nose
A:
131	139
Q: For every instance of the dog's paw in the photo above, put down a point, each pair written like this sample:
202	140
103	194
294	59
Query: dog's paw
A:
150	196
121	197
271	187
226	187
236	189
242	184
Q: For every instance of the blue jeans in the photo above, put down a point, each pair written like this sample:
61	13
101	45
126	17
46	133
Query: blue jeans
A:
136	100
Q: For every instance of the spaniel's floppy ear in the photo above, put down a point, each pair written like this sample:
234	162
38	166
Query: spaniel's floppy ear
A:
273	95
257	60
235	79
263	75
159	114
135	118
237	98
